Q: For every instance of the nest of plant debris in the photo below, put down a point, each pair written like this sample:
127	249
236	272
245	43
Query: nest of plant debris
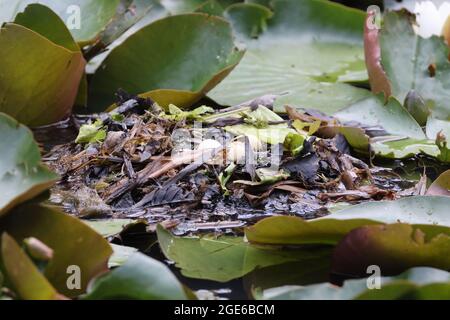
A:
132	162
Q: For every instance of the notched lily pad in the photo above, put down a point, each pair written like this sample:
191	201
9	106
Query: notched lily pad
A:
173	60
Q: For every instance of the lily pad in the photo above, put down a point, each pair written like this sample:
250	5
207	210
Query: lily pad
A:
308	50
425	212
120	255
417	64
440	186
109	228
416	283
23	92
69	238
392	117
173	60
140	278
26	279
394	248
225	258
85	18
22	175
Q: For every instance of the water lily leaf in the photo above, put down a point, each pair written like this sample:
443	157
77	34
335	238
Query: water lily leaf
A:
120	255
392	117
425	212
228	257
69	238
418	64
85	18
25	278
436	126
140	278
394	248
23	92
416	283
22	175
402	148
440	186
202	55
44	21
109	227
307	50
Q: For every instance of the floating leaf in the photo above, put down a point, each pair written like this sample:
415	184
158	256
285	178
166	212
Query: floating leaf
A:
394	248
120	255
26	279
140	278
42	88
309	48
440	186
225	258
392	117
196	50
22	175
427	213
416	283
85	18
417	64
69	238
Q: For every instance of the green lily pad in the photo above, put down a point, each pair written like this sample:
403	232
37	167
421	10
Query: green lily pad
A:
140	278
392	117
69	238
307	51
109	227
195	50
120	255
26	279
225	258
44	21
22	175
395	148
94	14
425	212
394	248
23	92
417	64
416	283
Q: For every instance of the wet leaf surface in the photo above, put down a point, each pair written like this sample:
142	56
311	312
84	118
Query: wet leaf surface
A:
22	175
416	283
192	66
293	56
140	278
427	212
94	14
69	238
